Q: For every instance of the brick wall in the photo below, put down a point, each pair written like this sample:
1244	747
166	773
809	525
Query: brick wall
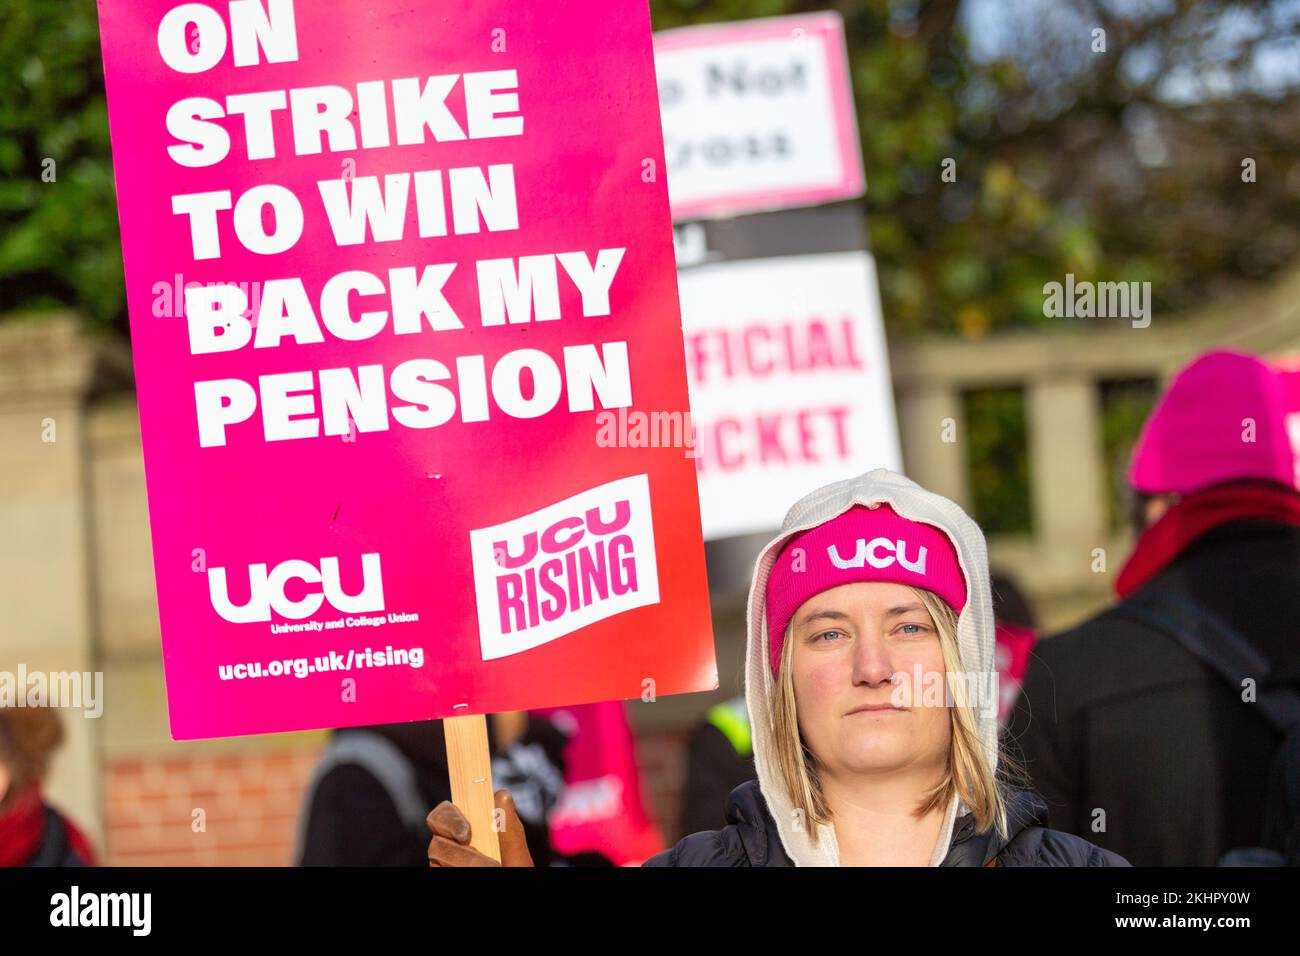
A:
250	807
251	803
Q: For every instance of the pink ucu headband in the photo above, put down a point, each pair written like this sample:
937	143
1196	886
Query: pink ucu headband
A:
861	544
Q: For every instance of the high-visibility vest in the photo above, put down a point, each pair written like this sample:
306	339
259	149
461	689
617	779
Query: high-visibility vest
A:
731	717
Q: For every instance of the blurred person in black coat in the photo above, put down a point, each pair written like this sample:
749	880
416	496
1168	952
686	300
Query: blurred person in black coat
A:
1134	741
368	797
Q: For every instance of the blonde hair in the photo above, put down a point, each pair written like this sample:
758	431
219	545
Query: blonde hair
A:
968	774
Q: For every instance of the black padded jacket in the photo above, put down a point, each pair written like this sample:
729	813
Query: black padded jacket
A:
750	838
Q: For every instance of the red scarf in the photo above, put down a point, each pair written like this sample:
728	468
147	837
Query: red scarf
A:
21	827
1196	515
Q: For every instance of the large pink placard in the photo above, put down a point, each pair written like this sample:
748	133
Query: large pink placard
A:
391	270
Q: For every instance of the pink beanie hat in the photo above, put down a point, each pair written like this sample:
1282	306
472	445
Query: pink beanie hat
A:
864	543
1197	435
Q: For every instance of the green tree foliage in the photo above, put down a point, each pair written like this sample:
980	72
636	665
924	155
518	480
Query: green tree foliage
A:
1115	165
59	243
1125	405
997	459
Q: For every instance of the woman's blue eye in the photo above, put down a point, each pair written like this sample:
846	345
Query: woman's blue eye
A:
920	629
825	633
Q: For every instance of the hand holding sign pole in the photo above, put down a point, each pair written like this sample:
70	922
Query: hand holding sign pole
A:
420	267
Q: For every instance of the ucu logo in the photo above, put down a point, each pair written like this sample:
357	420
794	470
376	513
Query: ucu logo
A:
266	590
870	552
573	527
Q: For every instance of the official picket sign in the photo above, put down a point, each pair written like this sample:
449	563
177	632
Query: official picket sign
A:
789	382
419	247
758	115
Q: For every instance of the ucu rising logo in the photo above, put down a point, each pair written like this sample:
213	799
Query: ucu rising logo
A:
563	567
266	590
879	553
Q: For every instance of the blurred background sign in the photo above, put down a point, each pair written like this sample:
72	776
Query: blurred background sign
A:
757	115
789	382
1291	382
601	808
785	346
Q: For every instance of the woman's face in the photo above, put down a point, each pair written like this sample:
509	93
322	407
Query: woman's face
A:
858	649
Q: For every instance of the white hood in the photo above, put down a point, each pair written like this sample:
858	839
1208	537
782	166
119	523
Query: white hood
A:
975	633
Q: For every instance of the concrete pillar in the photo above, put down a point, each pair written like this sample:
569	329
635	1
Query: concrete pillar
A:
1065	449
932	423
46	623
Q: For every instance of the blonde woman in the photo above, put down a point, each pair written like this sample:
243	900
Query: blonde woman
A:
871	687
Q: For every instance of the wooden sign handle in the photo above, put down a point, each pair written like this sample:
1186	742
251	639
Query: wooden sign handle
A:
470	767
